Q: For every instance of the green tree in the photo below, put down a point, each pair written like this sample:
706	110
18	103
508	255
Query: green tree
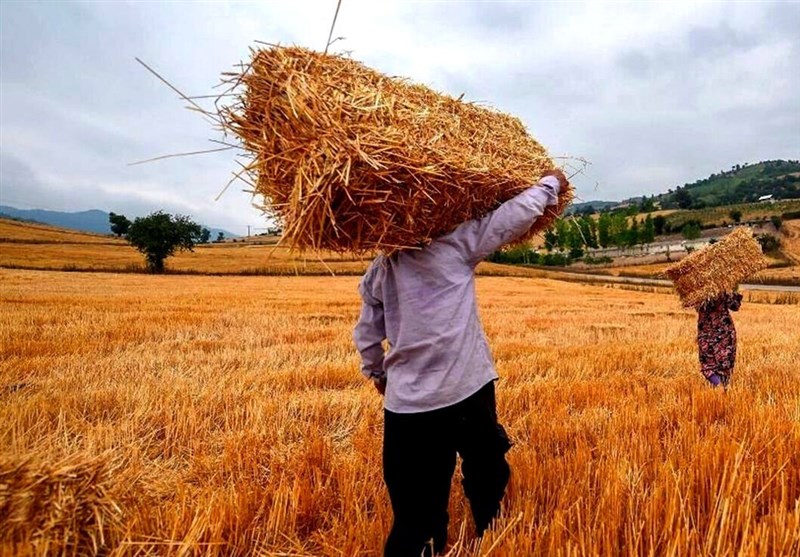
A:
632	234
205	235
119	224
683	198
550	239
562	230
736	215
220	237
604	230
691	231
648	233
647	205
659	223
589	230
619	230
575	240
159	235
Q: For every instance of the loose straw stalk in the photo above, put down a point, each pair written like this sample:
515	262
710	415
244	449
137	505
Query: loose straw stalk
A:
718	268
352	160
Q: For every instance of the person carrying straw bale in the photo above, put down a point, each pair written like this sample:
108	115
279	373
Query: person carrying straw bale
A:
438	375
716	337
354	161
707	281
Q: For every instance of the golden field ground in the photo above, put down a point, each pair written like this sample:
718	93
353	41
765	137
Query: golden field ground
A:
202	415
32	246
29	232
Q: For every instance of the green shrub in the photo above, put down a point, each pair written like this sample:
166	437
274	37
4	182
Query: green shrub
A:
603	260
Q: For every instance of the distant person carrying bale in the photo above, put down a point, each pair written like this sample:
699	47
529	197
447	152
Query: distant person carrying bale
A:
707	280
438	375
716	337
353	161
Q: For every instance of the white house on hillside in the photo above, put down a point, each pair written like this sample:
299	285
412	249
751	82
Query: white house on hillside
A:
766	198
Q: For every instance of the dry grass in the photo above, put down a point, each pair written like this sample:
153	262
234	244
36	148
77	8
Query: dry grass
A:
16	231
48	248
790	240
181	415
221	259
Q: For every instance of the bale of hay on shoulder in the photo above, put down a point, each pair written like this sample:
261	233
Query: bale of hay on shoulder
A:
352	160
717	268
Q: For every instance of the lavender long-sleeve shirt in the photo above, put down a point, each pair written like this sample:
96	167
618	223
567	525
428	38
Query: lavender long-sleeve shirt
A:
423	303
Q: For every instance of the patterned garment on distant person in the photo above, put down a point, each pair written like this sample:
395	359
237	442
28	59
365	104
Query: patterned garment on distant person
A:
716	335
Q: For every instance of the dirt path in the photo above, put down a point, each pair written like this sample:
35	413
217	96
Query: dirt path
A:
587	277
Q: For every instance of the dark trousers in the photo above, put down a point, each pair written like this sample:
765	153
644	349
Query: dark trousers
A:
419	457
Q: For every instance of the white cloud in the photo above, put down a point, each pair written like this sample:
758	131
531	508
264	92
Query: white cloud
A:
654	94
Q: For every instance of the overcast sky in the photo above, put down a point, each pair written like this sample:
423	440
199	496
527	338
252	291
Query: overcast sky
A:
652	94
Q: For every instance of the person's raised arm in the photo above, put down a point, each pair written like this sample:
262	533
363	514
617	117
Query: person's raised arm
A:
477	239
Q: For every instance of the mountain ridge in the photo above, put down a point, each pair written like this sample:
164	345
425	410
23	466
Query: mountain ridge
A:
92	220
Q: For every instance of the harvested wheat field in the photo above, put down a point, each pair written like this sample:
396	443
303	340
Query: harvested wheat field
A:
185	415
790	232
228	258
34	233
41	247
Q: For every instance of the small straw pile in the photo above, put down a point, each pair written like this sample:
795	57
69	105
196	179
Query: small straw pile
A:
353	161
717	268
58	507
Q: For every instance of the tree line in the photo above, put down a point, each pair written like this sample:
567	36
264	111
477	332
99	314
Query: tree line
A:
577	234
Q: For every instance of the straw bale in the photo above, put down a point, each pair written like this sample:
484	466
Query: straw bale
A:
351	160
61	507
717	268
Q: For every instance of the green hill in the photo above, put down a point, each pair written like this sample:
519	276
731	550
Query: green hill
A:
740	184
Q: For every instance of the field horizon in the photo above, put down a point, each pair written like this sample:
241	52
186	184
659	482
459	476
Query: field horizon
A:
31	246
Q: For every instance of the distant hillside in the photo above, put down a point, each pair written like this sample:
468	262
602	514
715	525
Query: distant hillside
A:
591	206
740	184
87	221
20	231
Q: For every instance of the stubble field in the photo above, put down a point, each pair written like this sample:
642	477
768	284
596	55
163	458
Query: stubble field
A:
186	415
